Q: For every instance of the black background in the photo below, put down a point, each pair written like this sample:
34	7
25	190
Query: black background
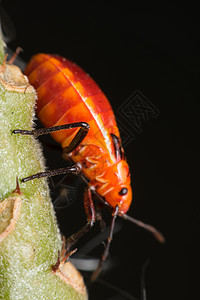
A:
153	49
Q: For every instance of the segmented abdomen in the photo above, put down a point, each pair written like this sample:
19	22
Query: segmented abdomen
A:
67	94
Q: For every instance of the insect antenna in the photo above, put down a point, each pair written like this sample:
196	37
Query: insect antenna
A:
157	234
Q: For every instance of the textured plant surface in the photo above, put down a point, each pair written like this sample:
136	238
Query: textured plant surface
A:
29	236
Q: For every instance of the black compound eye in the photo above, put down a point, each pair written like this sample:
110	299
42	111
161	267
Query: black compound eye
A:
123	192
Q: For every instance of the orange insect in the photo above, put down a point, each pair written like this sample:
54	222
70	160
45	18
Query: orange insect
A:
79	116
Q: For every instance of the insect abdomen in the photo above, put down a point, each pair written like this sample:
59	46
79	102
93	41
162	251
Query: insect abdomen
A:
67	94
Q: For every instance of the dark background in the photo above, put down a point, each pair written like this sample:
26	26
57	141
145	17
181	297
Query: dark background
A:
153	49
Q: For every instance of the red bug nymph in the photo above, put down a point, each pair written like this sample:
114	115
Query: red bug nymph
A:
79	116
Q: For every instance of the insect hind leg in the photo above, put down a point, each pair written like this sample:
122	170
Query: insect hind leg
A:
79	137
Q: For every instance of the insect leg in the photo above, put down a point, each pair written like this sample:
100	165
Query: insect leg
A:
14	56
81	134
55	267
96	273
84	128
68	170
90	213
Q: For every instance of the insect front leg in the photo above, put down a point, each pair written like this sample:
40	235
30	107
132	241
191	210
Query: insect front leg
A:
90	213
96	273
